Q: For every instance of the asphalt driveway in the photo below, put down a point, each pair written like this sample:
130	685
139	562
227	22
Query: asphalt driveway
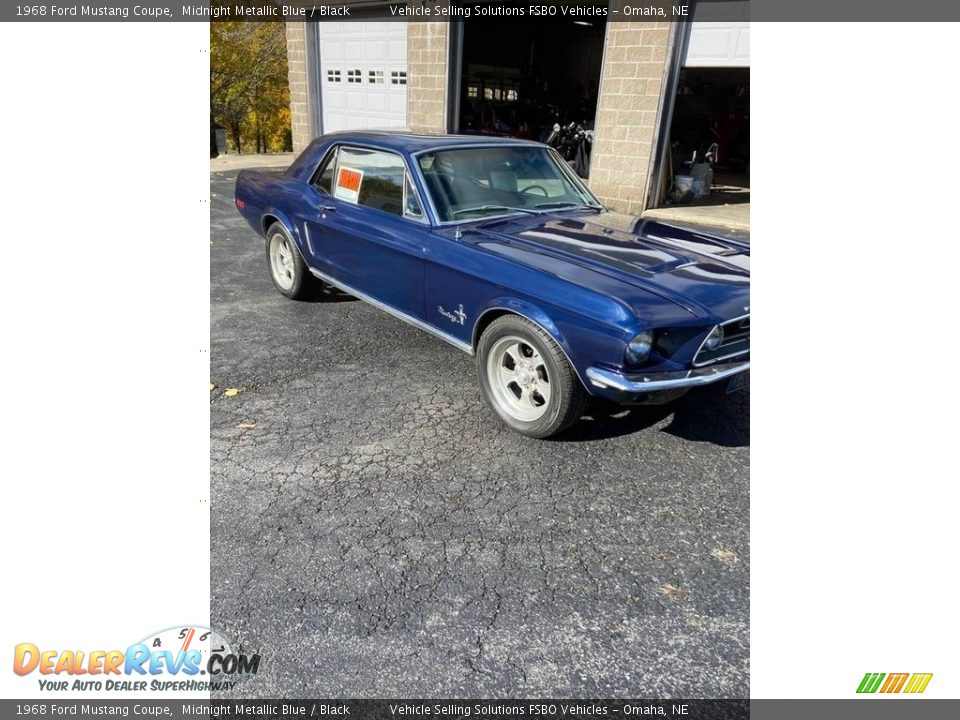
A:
376	532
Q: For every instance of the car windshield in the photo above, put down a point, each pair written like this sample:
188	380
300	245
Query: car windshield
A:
470	183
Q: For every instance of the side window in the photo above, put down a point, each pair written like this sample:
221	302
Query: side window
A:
324	178
371	177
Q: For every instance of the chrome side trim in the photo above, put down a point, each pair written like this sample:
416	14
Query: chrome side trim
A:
664	381
409	319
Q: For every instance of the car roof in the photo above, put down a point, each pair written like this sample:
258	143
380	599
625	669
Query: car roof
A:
414	143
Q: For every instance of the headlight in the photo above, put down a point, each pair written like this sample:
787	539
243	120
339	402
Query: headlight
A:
714	338
638	349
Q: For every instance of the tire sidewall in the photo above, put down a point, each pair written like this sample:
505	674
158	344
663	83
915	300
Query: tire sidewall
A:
298	265
542	426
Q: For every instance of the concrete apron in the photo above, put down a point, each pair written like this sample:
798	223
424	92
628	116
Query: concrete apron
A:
734	217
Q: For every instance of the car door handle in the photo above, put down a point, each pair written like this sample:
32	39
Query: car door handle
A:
328	208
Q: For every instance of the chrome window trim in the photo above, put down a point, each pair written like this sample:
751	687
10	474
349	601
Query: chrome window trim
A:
725	357
408	184
321	166
335	148
481	146
409	319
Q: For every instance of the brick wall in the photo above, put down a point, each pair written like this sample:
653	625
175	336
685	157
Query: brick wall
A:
297	74
634	63
427	77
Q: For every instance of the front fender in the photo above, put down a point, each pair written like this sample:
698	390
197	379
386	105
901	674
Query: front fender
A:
535	314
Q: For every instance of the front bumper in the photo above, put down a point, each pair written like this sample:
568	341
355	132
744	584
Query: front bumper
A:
636	384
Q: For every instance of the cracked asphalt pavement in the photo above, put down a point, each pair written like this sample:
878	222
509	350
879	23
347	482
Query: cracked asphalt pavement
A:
377	532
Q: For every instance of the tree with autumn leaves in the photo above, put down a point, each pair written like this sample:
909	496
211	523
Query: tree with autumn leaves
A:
249	94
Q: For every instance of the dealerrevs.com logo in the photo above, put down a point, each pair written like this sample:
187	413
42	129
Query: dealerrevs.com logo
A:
183	658
909	683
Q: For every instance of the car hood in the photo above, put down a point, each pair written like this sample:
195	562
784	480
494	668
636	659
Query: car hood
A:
706	275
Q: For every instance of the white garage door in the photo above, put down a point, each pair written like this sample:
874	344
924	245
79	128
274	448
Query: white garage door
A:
363	75
720	36
719	44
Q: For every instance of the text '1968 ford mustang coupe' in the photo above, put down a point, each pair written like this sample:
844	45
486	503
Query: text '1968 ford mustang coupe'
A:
497	247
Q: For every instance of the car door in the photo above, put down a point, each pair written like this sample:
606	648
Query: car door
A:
371	232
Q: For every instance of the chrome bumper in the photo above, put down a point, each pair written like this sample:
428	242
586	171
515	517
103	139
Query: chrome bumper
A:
653	382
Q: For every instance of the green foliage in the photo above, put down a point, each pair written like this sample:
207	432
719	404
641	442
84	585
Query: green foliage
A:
249	94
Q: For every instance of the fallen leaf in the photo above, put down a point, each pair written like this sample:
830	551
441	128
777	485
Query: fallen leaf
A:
246	426
213	386
672	591
231	392
723	555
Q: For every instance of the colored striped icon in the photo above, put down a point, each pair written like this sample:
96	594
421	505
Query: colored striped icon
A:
894	682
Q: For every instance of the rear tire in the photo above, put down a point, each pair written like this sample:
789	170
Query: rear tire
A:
526	379
289	272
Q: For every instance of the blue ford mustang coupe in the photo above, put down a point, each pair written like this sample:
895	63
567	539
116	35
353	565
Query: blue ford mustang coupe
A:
497	247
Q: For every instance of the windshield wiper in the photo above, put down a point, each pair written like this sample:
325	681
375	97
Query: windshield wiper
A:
529	211
565	204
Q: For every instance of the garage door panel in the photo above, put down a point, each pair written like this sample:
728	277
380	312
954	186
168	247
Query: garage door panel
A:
375	51
354	101
719	44
743	45
398	104
376	103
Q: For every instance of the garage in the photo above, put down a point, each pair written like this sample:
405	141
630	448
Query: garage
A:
521	78
635	106
363	75
708	162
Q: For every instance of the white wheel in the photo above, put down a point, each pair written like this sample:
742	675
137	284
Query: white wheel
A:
518	378
281	261
289	272
527	379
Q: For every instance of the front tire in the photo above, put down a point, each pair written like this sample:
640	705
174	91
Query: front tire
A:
289	272
526	378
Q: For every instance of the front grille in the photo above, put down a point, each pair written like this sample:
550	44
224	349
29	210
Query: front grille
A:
736	342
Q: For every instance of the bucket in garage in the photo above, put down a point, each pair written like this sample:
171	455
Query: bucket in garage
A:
682	190
702	175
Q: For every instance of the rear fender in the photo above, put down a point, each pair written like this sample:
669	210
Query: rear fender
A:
288	225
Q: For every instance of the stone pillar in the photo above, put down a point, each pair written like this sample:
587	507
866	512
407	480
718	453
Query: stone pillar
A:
427	77
297	74
634	64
